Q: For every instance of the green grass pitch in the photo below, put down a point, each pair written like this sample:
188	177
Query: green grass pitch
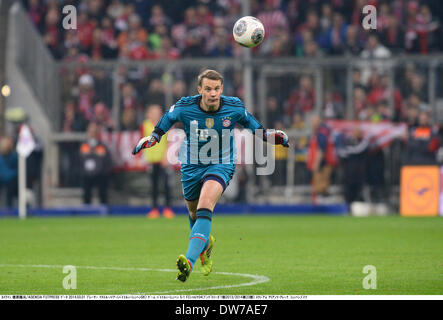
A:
253	255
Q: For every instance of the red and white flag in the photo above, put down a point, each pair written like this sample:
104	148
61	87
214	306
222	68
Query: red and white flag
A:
380	134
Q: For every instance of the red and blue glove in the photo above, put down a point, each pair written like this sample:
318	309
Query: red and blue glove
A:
279	137
146	142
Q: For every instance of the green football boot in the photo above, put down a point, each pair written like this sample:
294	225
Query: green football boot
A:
205	257
184	268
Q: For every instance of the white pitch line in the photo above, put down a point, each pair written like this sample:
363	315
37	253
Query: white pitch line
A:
256	279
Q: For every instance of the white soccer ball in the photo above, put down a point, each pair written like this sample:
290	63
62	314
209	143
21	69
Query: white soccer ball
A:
248	31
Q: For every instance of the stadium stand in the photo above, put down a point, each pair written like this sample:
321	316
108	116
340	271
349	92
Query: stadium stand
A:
114	65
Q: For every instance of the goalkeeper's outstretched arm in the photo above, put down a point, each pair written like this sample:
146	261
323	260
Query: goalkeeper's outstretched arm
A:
269	135
163	125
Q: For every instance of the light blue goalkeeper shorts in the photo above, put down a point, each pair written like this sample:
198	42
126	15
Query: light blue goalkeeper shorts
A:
193	177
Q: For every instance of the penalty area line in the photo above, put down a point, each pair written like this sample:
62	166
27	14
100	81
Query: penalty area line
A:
255	279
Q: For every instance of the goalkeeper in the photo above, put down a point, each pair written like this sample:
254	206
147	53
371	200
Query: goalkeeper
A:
205	177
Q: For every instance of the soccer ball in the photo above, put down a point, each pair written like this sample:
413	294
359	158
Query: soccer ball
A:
248	31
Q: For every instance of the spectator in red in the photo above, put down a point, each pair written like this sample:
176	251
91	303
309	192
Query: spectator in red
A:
97	48
301	99
85	30
138	50
423	33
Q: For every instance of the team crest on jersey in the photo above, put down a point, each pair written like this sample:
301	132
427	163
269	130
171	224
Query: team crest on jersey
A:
209	122
226	121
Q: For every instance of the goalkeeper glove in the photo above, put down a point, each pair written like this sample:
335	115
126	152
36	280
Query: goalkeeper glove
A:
146	142
279	137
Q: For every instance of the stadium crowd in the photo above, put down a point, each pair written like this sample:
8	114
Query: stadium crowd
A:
150	30
146	30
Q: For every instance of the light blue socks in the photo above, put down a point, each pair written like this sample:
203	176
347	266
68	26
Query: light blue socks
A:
199	237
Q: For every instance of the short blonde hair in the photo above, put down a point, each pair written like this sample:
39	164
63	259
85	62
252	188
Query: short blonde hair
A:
209	74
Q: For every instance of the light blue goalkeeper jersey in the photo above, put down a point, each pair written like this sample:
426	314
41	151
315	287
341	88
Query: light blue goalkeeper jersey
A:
209	135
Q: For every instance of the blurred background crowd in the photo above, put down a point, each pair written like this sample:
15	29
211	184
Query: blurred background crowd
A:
149	31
